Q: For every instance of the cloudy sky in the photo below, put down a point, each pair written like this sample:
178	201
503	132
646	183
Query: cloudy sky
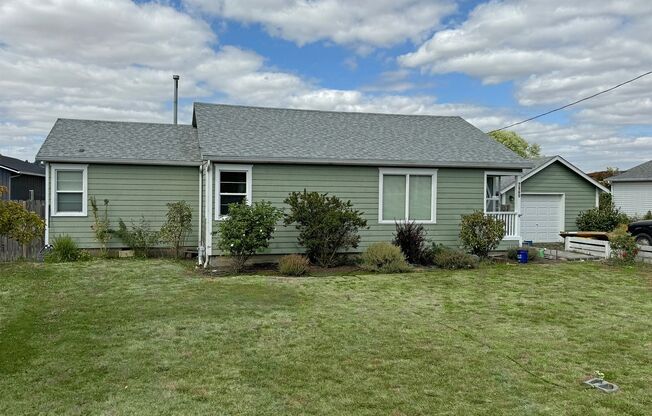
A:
493	63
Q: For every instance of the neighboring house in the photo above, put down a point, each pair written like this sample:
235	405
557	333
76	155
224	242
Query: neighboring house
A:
553	193
392	167
24	180
632	190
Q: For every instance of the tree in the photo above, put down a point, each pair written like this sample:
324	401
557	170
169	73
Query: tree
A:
517	144
247	230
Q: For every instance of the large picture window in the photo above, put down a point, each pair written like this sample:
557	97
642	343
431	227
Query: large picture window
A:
407	194
69	190
233	185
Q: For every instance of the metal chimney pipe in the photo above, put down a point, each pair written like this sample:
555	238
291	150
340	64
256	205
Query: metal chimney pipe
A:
176	96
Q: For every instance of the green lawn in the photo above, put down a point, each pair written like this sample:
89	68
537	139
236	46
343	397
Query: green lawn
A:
153	337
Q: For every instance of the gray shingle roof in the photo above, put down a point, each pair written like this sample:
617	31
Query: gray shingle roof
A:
509	181
642	172
21	166
120	142
254	134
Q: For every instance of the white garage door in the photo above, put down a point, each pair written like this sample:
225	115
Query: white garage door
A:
541	221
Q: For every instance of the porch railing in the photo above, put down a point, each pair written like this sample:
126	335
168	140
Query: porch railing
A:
510	219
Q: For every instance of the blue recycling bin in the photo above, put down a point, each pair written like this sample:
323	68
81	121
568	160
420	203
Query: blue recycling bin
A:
522	256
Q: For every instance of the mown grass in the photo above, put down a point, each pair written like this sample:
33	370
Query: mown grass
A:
153	337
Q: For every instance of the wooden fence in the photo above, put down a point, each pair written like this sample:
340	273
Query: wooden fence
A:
11	250
602	249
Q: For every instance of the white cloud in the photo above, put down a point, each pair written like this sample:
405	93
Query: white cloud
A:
362	24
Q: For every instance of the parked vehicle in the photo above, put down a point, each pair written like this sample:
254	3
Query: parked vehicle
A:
642	231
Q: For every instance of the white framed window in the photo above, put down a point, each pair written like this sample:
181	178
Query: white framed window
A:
232	186
69	190
407	194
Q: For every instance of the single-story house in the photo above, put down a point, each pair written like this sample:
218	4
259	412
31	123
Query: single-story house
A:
23	180
632	190
553	193
430	169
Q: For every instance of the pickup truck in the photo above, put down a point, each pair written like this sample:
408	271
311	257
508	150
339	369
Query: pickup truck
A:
642	231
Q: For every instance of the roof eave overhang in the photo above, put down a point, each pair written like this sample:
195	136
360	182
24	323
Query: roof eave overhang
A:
367	162
630	180
154	162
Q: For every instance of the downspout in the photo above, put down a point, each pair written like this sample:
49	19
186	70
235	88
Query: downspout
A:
200	246
209	214
47	203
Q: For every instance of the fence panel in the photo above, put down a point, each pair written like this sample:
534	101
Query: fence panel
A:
11	250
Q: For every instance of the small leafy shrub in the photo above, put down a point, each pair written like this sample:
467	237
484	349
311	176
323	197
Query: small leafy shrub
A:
17	223
532	253
385	258
429	253
177	225
605	218
411	238
648	216
605	200
101	226
294	265
455	259
140	237
65	250
247	230
481	233
623	245
327	225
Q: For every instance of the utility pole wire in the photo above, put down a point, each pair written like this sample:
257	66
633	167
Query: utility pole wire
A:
574	102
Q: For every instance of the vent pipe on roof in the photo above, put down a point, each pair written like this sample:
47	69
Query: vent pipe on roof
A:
176	96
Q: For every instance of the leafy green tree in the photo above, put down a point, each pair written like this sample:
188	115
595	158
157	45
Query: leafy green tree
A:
177	225
517	144
247	230
327	225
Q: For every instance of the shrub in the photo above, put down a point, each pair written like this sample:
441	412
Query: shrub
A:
601	219
605	200
326	224
64	250
140	238
623	245
481	233
19	224
429	253
101	226
177	225
384	257
411	238
455	259
294	265
648	216
532	253
247	230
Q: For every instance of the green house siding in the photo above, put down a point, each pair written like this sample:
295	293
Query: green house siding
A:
132	191
557	178
459	191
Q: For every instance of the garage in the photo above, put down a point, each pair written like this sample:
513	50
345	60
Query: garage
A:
543	217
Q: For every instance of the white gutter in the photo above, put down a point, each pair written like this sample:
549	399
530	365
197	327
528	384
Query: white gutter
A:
47	203
209	213
200	247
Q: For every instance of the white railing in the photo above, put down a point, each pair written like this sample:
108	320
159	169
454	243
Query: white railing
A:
510	219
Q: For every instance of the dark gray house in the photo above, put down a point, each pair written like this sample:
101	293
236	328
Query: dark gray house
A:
24	180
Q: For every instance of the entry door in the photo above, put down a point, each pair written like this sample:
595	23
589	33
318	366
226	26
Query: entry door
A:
541	221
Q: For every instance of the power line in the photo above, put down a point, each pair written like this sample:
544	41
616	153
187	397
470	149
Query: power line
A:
574	102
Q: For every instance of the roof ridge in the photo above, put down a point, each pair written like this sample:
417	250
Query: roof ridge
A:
124	122
321	111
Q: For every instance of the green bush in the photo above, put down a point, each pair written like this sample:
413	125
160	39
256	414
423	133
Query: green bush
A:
247	230
140	238
648	216
605	200
177	225
606	219
623	245
532	253
18	223
327	225
385	258
65	250
455	259
101	226
481	233
411	238
294	265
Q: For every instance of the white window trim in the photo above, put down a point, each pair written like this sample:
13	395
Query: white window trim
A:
501	173
231	168
68	167
407	172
